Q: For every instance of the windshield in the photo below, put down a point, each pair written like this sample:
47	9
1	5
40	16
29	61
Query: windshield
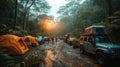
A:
102	39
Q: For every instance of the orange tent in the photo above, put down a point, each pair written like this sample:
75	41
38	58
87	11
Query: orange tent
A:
30	41
12	45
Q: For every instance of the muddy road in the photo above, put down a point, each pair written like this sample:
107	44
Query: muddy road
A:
60	54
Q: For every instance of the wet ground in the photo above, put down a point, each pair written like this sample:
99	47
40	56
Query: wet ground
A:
60	54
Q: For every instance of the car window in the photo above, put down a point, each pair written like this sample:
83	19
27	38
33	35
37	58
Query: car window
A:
85	39
102	39
90	39
81	39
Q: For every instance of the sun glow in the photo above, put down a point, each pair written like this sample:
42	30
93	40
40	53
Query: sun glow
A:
49	24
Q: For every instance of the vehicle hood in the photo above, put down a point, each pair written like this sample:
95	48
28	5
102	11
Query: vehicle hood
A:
107	45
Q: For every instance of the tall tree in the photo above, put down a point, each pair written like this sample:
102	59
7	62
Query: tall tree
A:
16	4
13	13
31	6
109	10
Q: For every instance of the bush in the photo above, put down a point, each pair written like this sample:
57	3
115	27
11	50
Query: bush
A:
34	59
75	43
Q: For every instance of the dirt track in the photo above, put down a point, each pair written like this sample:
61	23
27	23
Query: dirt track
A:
61	54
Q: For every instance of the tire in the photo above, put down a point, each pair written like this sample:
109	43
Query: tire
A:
101	58
82	50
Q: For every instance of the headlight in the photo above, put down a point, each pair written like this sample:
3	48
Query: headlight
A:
110	50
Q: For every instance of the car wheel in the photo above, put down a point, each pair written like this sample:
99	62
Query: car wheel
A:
82	50
100	57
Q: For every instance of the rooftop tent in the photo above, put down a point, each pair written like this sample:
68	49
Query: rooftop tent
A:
95	30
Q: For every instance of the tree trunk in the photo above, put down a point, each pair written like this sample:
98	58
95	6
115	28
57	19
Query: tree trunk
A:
27	12
25	15
15	13
109	10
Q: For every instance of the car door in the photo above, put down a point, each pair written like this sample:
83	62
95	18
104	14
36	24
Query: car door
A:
90	45
85	43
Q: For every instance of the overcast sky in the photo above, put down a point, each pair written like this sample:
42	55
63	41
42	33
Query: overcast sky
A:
55	4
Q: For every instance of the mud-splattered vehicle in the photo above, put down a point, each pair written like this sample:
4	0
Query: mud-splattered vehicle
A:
100	45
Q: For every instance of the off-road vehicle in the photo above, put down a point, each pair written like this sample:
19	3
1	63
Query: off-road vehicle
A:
100	45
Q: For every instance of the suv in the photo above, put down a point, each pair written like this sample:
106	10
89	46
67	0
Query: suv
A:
99	45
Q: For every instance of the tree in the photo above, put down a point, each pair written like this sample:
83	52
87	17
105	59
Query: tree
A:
70	8
7	12
109	9
114	27
33	6
20	13
16	2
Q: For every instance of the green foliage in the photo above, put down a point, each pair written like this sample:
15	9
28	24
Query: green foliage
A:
89	13
3	29
76	32
75	43
80	15
27	11
34	59
115	18
70	8
6	61
114	28
17	30
6	12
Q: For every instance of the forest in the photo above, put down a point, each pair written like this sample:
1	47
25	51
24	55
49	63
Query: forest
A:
20	17
75	16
